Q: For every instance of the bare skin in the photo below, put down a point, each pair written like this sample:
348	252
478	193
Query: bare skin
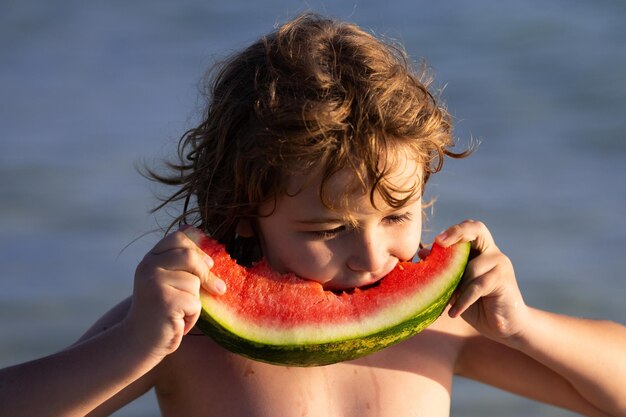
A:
489	334
412	378
394	381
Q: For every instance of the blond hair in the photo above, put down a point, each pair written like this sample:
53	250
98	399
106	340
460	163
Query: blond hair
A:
316	92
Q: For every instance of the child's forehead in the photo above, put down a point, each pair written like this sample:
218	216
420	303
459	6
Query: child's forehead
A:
346	192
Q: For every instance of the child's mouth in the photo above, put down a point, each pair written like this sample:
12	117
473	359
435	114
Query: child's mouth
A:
361	288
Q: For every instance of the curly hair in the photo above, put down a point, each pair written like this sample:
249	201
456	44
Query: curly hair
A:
315	93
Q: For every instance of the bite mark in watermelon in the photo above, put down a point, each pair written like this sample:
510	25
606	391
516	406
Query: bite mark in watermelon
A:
285	320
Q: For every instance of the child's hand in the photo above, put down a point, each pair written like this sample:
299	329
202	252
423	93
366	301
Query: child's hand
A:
165	304
488	297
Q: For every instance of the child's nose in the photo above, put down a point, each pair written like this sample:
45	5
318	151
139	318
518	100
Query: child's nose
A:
368	254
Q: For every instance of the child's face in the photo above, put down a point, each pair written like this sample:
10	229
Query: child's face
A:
342	249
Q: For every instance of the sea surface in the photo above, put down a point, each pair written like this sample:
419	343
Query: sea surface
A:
91	91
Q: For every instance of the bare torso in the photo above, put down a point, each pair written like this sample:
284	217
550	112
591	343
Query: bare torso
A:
413	378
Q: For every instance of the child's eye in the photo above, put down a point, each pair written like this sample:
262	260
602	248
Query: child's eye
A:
398	218
326	234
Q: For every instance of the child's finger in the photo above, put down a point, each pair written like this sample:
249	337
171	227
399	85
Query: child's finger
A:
482	265
182	281
177	252
470	291
209	281
192	314
468	295
184	306
190	261
468	231
173	241
214	283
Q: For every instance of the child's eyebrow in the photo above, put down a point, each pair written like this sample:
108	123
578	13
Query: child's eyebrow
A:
339	218
350	218
322	220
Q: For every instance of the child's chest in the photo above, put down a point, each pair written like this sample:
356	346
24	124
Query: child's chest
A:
412	378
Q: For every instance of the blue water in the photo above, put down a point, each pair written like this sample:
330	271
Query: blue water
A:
89	90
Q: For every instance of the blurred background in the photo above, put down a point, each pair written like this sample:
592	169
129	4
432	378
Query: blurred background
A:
91	90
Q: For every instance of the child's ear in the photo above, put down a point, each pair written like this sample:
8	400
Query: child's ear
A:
244	228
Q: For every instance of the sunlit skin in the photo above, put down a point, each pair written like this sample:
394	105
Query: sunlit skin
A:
489	334
342	249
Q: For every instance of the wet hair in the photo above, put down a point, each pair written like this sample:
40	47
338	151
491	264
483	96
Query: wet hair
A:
315	94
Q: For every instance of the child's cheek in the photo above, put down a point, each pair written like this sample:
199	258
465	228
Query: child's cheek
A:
406	243
320	261
309	260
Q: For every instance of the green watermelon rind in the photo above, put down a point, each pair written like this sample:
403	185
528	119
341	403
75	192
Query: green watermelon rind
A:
343	349
323	353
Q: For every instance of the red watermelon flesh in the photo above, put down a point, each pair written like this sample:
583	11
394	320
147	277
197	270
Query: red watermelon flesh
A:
281	318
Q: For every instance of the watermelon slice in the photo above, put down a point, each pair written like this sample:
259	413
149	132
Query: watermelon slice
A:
286	320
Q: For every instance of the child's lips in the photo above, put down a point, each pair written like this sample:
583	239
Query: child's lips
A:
350	283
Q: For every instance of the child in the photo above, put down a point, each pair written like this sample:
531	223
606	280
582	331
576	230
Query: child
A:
314	152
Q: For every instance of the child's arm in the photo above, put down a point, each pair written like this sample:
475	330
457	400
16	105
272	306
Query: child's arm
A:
75	381
574	363
164	307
